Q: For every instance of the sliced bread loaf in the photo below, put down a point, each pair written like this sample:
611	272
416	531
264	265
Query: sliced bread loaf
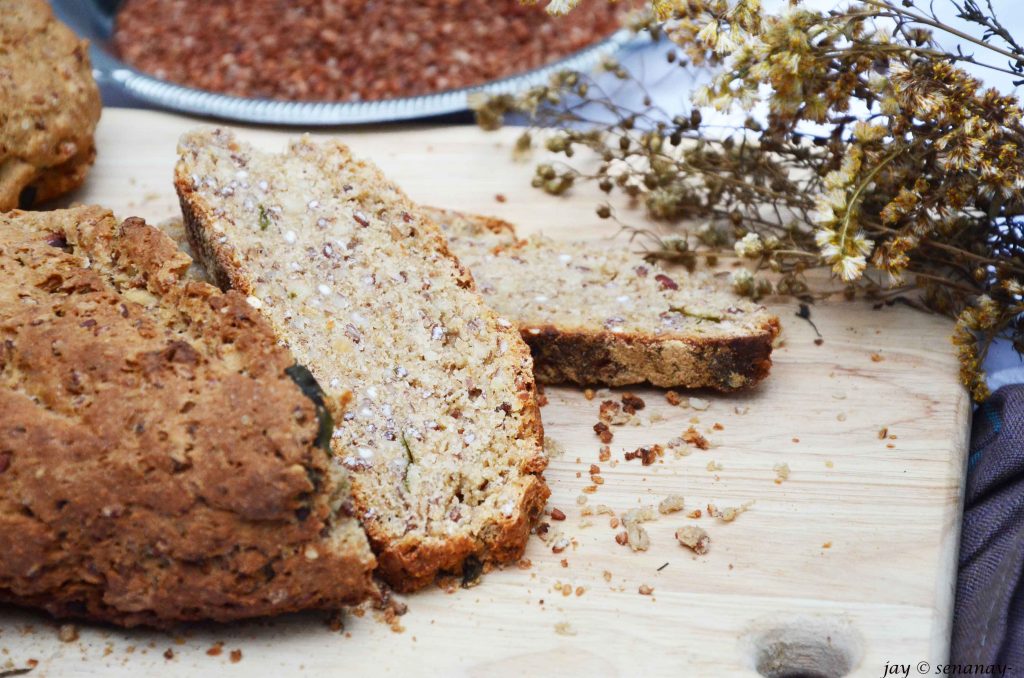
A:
443	436
162	459
595	313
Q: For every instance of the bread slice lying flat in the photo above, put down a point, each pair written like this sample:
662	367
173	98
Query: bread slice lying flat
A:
162	459
443	433
595	313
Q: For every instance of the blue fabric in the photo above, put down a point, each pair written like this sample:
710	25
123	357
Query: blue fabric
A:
988	621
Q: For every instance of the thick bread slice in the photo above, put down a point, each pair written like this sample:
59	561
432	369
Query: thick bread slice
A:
595	313
162	459
444	435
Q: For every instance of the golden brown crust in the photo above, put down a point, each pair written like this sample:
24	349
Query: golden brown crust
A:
157	462
406	563
619	359
50	103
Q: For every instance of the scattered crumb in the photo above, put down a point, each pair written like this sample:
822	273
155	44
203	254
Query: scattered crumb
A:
730	513
542	399
524	564
500	197
607	575
236	656
621	538
795	439
829	464
564	629
603	432
876	358
217	648
671	504
819	341
580	591
631	403
656	417
604	454
695	513
588	393
564	562
68	633
646	455
645	590
637	536
581	499
553	448
168	654
557	514
694	538
883	433
693	437
717	427
741	409
891	446
673	398
590	489
841	416
781	473
560	545
827	545
699	404
714	466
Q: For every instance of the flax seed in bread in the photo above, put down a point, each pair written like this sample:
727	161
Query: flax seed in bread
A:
49	105
443	435
162	459
595	313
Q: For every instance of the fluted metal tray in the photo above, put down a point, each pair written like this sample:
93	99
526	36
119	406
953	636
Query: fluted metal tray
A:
94	19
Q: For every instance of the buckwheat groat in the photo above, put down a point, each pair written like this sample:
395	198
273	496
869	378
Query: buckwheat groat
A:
162	459
49	105
443	434
594	313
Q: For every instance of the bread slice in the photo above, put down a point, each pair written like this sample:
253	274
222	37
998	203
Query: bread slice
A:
595	313
162	459
443	437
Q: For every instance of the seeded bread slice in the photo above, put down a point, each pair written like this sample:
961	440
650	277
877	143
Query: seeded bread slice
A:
443	436
162	459
595	313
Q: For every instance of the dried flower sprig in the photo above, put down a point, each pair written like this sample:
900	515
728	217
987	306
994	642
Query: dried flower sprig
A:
879	157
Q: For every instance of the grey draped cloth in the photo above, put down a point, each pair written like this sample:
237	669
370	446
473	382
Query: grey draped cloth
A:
988	620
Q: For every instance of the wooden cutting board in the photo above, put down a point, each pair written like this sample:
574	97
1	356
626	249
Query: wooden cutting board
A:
846	565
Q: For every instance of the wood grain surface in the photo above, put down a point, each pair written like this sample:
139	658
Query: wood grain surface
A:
844	566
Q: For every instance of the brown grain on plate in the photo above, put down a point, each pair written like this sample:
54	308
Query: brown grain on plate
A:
349	50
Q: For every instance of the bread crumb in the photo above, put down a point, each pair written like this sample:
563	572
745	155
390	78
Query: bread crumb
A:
621	538
741	409
876	358
607	575
714	466
638	538
580	591
883	433
168	654
68	633
717	427
829	464
557	514
553	448
603	432
646	455
841	416
645	590
673	398
588	393
216	649
827	545
631	403
694	538
564	629
693	437
781	473
236	656
730	513
695	513
699	404
604	454
671	504
610	412
500	197
524	564
581	500
656	417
